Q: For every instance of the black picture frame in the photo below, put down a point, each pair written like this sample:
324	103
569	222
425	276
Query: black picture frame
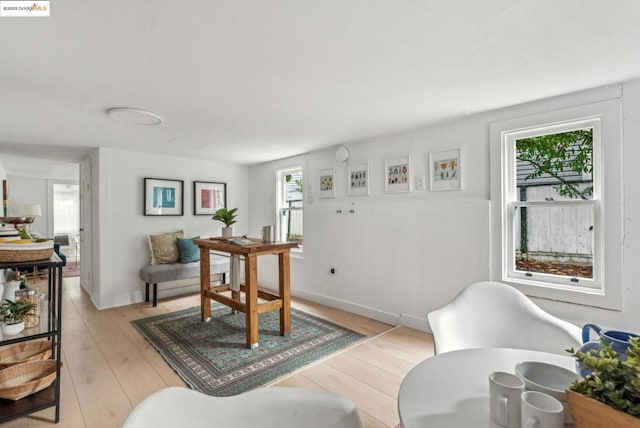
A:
163	197
208	197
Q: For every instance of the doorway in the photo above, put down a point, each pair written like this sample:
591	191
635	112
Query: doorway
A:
66	224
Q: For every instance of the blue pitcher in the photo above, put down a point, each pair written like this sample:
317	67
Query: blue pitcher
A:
619	341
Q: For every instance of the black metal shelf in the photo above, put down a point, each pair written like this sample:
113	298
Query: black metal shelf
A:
50	328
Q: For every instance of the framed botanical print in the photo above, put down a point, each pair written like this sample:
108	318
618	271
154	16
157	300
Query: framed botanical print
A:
163	197
445	170
327	183
358	176
397	174
208	197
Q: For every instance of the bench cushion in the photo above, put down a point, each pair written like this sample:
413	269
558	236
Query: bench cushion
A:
154	274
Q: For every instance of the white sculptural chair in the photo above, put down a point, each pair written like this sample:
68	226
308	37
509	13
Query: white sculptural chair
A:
265	408
496	315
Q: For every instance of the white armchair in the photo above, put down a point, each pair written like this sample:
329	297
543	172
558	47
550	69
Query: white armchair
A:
496	315
265	408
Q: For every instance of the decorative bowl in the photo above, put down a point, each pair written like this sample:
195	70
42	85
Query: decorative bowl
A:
549	379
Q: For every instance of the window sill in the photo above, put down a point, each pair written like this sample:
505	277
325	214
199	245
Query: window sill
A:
578	295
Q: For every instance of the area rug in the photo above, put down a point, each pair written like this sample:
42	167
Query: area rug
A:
212	357
70	270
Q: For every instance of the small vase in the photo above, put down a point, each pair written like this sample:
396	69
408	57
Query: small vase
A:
9	292
227	232
12	329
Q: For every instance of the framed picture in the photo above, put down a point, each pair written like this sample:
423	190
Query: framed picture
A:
208	197
327	183
445	170
397	174
163	197
358	176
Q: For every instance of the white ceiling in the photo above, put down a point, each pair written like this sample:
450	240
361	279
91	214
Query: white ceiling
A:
248	81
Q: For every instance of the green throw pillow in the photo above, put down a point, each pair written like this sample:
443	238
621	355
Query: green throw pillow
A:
189	252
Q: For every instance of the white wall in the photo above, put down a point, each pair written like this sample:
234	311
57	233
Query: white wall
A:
27	190
120	228
399	254
402	255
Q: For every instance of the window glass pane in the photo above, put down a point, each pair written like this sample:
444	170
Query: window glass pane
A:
66	209
290	205
555	240
291	225
555	167
293	186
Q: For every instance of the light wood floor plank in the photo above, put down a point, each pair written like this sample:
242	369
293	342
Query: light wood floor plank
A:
109	367
367	398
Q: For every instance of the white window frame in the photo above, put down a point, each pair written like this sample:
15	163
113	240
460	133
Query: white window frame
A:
280	174
510	204
606	291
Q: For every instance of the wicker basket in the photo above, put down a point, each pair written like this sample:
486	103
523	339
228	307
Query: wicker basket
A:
22	352
22	380
17	253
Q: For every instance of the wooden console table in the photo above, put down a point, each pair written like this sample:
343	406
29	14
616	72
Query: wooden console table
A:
250	306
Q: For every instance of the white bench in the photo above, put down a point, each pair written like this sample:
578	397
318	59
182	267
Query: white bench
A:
154	274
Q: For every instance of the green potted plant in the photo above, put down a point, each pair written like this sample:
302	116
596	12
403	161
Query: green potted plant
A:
228	217
12	315
610	395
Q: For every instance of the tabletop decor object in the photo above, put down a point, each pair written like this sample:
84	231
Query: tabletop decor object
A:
541	410
35	350
25	250
549	379
13	316
22	380
610	395
228	217
617	339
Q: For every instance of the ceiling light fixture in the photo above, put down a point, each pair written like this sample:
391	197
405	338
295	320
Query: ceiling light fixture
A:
134	116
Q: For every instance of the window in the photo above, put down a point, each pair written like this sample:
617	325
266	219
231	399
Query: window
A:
66	209
557	204
552	199
290	204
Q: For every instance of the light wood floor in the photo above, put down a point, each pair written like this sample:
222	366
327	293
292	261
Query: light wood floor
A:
109	367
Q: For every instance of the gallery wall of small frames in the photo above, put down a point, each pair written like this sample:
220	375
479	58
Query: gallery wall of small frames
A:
444	171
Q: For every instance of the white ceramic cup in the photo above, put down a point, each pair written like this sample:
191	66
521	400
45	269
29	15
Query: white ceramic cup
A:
504	399
540	410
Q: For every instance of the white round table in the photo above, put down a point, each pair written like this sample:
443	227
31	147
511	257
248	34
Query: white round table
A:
452	389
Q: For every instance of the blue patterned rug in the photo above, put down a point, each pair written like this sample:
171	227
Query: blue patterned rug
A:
212	357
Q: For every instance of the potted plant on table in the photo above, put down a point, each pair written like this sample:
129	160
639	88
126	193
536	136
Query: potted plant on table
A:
13	314
228	217
610	395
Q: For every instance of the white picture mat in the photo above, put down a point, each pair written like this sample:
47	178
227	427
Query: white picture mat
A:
151	186
327	183
358	178
445	170
217	197
397	174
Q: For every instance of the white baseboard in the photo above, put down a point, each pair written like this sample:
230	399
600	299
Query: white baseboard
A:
415	322
354	308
